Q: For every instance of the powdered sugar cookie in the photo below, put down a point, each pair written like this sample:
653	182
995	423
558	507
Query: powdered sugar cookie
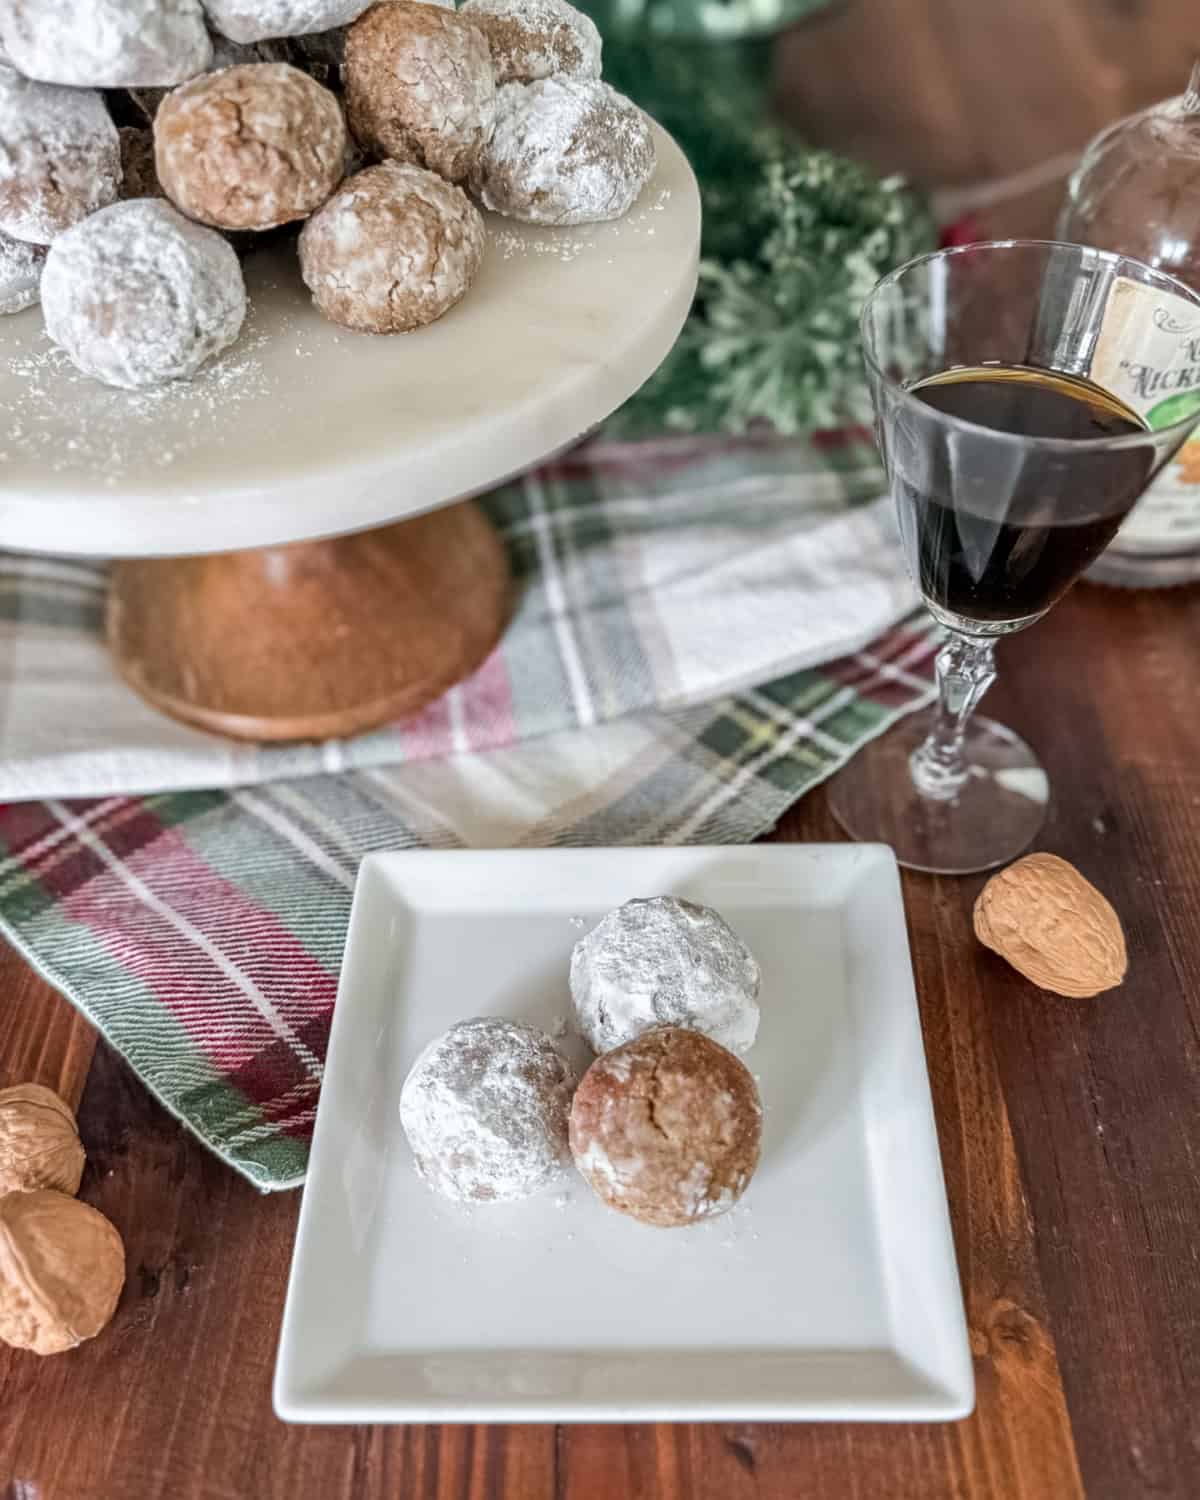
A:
106	43
257	20
60	159
137	294
564	151
532	39
485	1111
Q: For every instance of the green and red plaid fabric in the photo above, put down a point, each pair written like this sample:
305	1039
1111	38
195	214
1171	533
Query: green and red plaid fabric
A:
202	930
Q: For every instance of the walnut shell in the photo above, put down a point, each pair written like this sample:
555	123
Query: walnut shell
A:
62	1267
39	1144
1053	926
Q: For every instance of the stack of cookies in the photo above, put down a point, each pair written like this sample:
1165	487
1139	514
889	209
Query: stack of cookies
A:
145	145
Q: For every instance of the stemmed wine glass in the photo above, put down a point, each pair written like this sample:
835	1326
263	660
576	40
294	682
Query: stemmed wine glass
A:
1004	377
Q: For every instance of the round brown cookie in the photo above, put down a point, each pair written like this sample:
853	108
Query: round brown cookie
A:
250	147
667	1128
531	39
393	249
419	86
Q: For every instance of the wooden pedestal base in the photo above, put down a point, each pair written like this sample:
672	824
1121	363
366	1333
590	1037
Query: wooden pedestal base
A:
315	640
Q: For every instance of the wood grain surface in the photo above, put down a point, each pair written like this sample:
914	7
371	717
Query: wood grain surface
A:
1068	1128
317	640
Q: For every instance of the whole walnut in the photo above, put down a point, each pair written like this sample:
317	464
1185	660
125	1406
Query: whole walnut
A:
39	1144
62	1267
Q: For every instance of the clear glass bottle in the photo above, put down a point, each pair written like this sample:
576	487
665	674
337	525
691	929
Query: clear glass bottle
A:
1137	191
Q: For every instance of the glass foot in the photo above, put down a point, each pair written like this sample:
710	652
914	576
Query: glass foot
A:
994	817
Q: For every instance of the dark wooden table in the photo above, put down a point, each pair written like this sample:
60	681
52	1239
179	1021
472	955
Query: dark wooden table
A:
1070	1130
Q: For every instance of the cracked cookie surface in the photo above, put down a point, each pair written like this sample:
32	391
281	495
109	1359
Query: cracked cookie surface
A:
393	249
667	1128
250	147
419	86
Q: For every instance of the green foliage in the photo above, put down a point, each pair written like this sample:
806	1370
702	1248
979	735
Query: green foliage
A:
794	239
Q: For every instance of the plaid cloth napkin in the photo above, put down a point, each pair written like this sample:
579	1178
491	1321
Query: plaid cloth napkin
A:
651	575
202	930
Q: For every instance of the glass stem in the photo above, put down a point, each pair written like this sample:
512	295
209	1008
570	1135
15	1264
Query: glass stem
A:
966	668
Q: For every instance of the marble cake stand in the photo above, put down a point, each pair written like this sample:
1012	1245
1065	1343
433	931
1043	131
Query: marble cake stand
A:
296	557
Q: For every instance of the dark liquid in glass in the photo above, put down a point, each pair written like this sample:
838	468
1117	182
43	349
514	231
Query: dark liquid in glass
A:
1003	545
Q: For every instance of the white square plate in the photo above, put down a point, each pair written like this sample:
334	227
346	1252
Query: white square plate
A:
829	1292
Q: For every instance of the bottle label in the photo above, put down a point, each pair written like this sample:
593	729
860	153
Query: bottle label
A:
1148	354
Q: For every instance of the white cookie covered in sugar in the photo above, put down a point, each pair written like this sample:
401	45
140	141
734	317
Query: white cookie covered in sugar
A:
664	962
532	39
106	43
564	151
258	20
20	273
485	1110
393	249
138	295
60	157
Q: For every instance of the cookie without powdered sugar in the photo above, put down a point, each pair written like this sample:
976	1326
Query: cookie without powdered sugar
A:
250	147
668	1128
393	249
